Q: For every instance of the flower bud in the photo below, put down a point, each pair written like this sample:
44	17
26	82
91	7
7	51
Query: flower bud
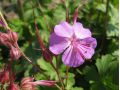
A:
15	54
47	55
4	39
25	85
13	36
4	76
44	83
13	86
28	83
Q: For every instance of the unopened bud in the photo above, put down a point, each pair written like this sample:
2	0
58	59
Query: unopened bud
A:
28	83
13	86
47	55
4	39
4	76
15	53
13	36
44	83
25	85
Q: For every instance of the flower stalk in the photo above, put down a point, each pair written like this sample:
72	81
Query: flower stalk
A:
4	21
48	58
67	72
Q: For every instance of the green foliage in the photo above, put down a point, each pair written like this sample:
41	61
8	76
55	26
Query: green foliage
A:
105	75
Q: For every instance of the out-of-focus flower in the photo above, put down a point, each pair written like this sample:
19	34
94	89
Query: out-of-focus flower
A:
4	76
25	85
44	83
13	86
10	39
4	39
15	53
28	83
13	36
74	41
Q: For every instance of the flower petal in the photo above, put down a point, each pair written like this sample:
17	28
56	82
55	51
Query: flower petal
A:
72	57
87	46
90	42
58	44
86	51
64	29
80	31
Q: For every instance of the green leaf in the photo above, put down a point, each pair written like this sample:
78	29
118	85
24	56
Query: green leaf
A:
59	15
48	68
70	81
104	64
101	7
77	88
108	67
17	26
113	24
97	86
91	73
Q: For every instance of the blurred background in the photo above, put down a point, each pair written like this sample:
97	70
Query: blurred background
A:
101	16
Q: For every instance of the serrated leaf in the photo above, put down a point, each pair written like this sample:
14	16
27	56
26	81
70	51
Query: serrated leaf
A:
101	7
104	64
48	68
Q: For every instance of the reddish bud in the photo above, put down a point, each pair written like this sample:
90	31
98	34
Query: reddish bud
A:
44	83
13	36
15	54
28	83
4	39
25	85
4	76
8	39
46	54
13	86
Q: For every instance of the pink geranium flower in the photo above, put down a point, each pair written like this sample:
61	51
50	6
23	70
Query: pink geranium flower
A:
74	41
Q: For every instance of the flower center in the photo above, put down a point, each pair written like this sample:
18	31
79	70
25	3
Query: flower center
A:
74	41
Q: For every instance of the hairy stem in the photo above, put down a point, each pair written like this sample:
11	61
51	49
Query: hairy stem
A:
4	21
59	77
67	69
58	87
